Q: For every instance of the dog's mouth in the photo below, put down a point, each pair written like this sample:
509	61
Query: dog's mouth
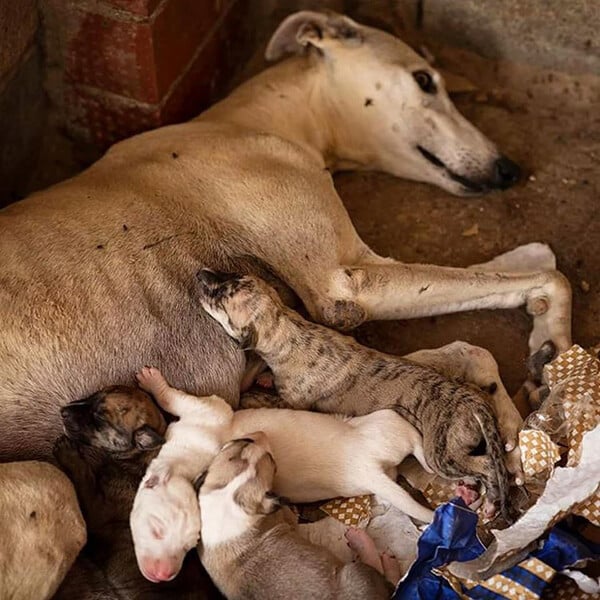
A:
469	185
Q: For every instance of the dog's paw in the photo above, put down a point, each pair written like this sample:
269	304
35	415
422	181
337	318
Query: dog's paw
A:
266	380
150	379
468	492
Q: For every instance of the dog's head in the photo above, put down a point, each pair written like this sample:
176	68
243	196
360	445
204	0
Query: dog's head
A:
388	108
122	420
165	523
237	302
242	474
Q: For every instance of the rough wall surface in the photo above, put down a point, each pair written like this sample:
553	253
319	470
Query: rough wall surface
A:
118	67
22	105
551	34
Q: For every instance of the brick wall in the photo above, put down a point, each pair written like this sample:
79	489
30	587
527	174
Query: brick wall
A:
22	106
119	67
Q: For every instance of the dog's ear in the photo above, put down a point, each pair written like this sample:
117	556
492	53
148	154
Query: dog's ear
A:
309	28
146	438
199	481
156	476
248	338
253	499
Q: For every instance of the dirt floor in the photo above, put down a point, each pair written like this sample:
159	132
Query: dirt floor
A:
550	124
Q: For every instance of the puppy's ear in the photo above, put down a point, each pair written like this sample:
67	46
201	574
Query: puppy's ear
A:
146	438
199	481
254	500
154	477
248	338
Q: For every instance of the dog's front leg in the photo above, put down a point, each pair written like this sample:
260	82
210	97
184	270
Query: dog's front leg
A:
386	289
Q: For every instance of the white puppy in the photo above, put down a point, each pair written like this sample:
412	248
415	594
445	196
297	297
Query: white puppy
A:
319	456
322	456
165	519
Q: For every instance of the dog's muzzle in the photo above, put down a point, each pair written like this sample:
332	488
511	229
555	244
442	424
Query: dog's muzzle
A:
504	173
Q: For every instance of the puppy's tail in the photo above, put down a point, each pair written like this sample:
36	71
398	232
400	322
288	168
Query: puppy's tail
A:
391	492
495	451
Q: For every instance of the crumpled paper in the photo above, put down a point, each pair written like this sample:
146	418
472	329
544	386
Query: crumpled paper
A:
352	512
567	488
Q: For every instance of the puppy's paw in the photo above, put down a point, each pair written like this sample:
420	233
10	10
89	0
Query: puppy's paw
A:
468	492
515	465
150	379
266	380
362	544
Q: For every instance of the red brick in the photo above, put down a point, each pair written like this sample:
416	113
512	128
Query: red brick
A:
179	29
136	7
211	69
103	119
115	56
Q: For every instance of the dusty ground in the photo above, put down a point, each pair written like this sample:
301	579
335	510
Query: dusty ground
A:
550	124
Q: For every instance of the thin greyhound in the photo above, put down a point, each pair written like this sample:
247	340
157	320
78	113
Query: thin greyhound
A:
97	272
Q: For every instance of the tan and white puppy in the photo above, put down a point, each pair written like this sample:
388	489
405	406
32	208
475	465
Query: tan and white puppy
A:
323	456
165	521
249	544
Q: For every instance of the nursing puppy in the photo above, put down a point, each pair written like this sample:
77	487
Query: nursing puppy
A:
165	520
249	544
319	456
320	369
111	438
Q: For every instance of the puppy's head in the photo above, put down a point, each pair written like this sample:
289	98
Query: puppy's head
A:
243	473
122	420
165	524
243	305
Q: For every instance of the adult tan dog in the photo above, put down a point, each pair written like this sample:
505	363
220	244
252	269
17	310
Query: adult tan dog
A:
97	273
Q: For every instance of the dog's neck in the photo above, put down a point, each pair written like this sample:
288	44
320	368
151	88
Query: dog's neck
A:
287	100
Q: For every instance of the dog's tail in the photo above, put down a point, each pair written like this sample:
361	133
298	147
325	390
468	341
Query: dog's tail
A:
391	492
495	451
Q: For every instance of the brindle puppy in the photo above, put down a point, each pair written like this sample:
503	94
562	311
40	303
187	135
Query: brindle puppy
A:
320	369
111	438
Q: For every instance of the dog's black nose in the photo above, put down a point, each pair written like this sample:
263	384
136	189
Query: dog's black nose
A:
506	173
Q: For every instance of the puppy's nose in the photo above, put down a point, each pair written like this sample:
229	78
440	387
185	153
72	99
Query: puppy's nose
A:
159	571
506	173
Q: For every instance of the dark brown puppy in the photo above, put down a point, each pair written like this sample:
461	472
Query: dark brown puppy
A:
122	420
111	438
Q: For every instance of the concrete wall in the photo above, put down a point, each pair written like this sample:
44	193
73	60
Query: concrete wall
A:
553	34
22	103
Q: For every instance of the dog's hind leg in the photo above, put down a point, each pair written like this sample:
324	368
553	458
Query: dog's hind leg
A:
391	492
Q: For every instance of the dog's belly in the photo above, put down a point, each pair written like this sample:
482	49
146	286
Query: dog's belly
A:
97	274
85	304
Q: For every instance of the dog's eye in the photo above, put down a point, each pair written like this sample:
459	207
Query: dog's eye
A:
425	81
